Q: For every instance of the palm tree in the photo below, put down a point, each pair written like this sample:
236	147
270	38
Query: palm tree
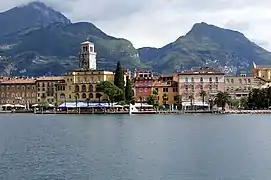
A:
191	97
203	95
222	98
141	99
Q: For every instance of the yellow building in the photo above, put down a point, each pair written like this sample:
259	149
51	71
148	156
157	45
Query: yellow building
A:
46	88
263	72
80	85
167	88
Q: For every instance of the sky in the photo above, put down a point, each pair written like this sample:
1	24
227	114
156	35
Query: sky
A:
155	23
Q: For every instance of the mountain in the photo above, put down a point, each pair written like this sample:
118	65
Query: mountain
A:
32	15
50	44
206	45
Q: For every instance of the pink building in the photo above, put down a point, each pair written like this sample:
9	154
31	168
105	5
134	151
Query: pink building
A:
192	82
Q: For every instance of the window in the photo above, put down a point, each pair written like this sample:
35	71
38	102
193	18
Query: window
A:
249	81
227	81
201	79
7	87
84	88
84	96
22	94
90	96
91	89
77	88
216	79
28	87
165	89
70	88
140	89
156	89
12	95
210	79
13	87
18	87
232	81
2	95
146	90
33	87
175	89
192	79
186	79
28	95
23	87
33	94
240	81
70	96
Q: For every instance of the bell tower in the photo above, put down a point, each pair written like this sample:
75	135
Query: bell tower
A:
87	58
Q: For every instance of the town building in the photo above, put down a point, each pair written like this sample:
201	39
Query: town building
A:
193	82
241	85
262	72
80	85
20	91
46	88
143	85
167	88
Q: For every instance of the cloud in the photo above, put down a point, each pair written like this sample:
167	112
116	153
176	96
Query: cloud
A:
158	22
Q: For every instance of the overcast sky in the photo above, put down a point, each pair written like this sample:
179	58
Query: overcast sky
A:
158	22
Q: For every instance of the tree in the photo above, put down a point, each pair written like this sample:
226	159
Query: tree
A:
178	101
191	97
243	102
222	99
235	103
165	99
112	91
151	100
119	81
99	95
129	93
203	95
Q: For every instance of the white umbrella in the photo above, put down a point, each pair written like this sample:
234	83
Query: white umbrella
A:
19	105
51	105
35	105
8	105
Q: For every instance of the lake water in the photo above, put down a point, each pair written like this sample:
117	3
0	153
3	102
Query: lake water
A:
138	147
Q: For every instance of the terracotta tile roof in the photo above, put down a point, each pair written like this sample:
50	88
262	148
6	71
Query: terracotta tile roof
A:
19	81
50	78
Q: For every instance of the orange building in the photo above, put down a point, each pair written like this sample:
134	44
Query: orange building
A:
18	91
167	88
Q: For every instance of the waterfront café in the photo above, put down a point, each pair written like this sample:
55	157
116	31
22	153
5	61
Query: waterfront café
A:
94	106
196	105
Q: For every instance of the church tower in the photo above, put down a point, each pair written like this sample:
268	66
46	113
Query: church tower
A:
87	59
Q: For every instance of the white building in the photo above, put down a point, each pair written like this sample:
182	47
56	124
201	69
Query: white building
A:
88	53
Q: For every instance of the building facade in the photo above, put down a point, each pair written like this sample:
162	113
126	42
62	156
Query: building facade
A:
143	85
20	91
193	82
240	86
263	72
46	88
80	85
167	88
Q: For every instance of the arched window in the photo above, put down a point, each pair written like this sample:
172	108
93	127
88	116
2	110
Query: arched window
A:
186	79
91	88
84	96
201	79
62	96
3	95
216	79
12	95
18	95
192	79
99	96
33	94
28	95
210	79
84	89
91	96
77	88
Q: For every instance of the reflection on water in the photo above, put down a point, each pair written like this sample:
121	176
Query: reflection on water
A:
147	147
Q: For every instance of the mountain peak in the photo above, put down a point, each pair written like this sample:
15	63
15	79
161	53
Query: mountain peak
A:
32	15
